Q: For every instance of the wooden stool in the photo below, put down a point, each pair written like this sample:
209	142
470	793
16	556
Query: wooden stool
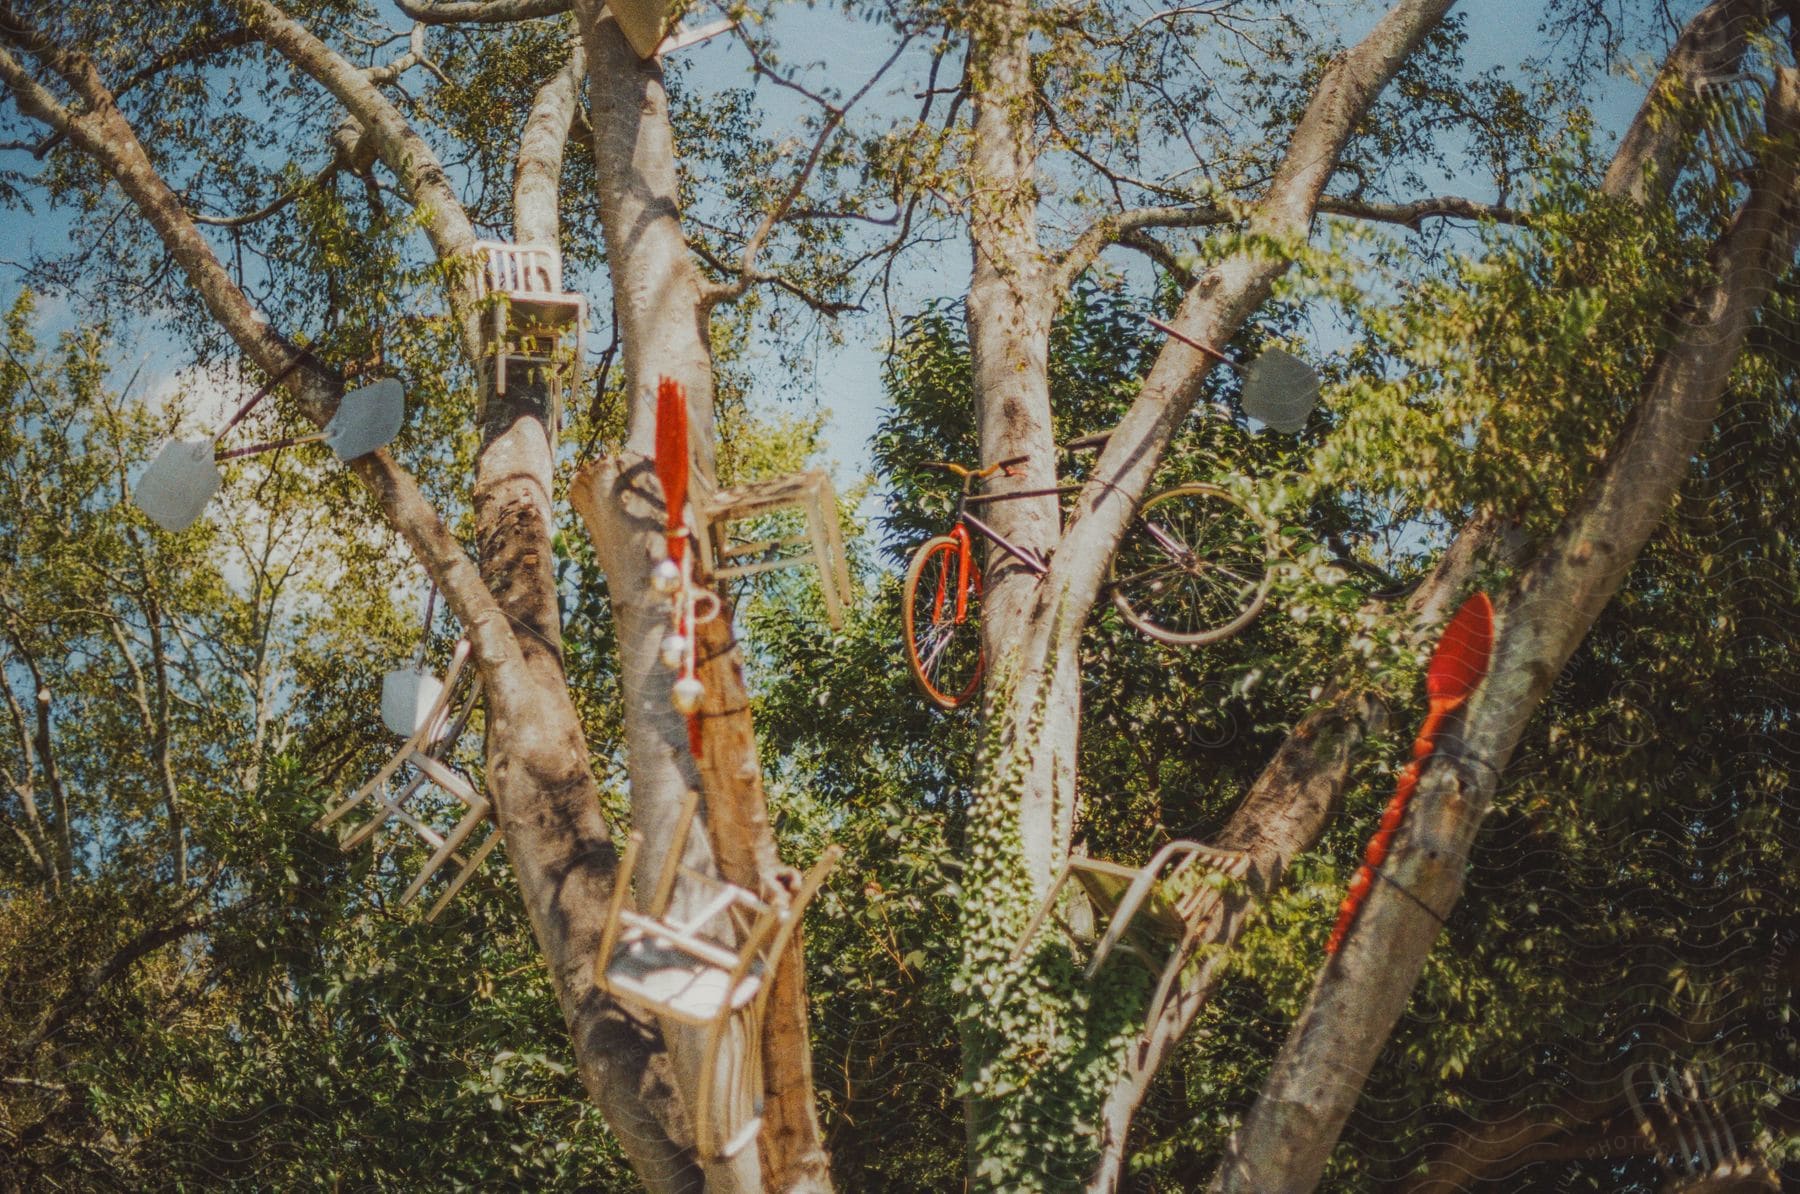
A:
809	492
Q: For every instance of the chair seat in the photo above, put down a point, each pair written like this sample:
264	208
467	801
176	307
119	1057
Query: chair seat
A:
671	981
760	497
1107	891
545	310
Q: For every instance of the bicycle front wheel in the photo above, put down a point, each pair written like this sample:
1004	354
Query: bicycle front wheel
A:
943	624
1193	568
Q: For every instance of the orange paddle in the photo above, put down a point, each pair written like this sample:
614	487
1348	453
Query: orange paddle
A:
1457	668
672	471
672	459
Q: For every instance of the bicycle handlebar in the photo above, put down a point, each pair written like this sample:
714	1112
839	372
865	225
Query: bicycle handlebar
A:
958	470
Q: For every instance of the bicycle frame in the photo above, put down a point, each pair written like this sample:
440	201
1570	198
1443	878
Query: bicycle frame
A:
966	521
1238	587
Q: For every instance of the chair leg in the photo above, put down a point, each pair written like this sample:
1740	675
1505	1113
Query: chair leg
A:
609	935
744	1092
389	808
834	537
709	1069
1037	920
500	314
1171	973
815	526
665	882
464	875
448	847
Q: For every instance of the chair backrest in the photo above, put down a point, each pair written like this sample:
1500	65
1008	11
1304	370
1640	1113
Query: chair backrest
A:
518	270
1676	1110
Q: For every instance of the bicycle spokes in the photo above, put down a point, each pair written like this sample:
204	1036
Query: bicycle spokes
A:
943	633
1193	568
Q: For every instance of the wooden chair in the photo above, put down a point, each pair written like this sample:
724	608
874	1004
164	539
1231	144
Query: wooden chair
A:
676	969
1678	1114
812	494
1154	913
532	312
425	759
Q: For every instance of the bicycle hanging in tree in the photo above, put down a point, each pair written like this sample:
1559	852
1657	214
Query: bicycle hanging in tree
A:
1192	569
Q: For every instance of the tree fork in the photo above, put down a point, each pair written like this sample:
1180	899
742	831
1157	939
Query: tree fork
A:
1361	992
1643	170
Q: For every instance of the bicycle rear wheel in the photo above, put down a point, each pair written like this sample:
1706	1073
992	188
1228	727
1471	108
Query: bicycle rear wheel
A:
943	643
1193	568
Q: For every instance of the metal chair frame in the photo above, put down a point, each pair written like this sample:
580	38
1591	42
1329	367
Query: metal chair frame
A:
1150	896
811	493
725	986
428	754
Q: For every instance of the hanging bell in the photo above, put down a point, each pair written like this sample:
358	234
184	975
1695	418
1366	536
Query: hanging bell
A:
666	576
675	651
686	694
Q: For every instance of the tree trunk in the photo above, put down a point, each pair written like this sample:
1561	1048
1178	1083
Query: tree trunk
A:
1033	625
1361	992
1290	804
663	307
1010	308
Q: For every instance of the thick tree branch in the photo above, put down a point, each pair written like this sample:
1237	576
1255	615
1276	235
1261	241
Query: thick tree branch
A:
1494	1145
400	147
275	205
96	978
1544	615
1710	47
478	12
1286	809
202	48
537	176
1118	227
33	835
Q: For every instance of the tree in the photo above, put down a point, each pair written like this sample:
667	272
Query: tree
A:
1076	122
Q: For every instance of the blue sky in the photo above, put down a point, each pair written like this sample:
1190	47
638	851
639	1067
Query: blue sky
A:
846	380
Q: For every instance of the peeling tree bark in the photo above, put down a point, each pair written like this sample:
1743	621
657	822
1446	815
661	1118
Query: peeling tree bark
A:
1360	994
